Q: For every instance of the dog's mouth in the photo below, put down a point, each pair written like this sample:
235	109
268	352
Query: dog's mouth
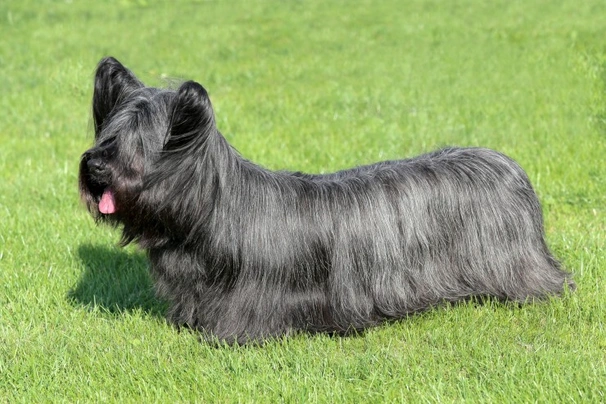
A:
95	189
107	203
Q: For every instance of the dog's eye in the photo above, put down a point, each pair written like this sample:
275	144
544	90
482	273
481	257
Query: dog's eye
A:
107	148
107	142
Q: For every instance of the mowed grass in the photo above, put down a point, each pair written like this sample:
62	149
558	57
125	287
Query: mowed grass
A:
314	86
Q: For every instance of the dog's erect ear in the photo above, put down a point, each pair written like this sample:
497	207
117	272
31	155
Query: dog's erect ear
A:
192	117
113	82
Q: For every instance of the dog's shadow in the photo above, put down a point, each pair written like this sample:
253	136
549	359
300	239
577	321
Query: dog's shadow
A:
115	281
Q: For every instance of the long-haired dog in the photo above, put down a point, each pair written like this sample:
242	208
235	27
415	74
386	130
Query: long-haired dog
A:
242	253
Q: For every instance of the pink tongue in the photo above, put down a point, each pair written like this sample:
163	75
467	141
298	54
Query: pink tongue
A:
107	204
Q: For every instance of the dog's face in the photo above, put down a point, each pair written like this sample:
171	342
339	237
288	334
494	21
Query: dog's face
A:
135	128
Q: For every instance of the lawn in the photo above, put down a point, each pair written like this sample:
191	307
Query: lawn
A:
313	86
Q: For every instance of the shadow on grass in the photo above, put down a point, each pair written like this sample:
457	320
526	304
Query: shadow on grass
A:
115	281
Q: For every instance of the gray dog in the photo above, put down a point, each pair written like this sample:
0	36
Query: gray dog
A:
243	253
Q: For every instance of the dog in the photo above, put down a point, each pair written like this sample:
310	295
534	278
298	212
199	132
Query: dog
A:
243	254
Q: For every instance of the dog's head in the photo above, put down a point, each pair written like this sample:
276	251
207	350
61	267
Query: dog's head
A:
137	129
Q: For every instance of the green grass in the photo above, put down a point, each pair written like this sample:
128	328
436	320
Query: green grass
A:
314	86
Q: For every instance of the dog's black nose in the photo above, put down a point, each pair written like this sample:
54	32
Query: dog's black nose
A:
95	165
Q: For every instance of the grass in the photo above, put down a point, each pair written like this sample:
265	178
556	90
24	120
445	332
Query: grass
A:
314	86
